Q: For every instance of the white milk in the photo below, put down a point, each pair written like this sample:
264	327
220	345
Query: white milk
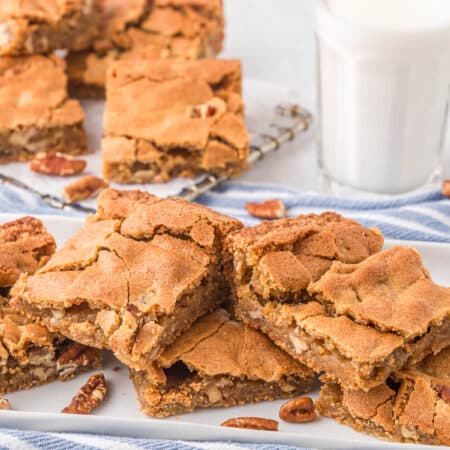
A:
384	69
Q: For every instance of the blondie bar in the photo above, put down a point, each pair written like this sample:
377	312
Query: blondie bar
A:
30	27
357	323
187	29
36	115
173	118
219	362
413	406
25	246
140	273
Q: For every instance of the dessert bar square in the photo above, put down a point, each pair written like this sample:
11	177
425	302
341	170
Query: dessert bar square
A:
187	29
219	362
413	406
29	27
25	246
173	118
36	114
140	273
357	323
30	355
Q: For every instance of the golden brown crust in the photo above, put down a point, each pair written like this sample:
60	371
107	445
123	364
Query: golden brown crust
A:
188	29
219	362
140	272
30	27
36	114
25	246
359	322
187	122
412	408
356	323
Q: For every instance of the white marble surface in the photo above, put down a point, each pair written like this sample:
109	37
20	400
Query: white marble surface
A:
275	40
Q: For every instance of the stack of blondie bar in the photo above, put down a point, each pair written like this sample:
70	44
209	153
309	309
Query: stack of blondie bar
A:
37	114
206	312
170	111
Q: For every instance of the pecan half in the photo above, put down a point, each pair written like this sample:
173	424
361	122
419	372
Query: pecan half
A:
298	410
84	188
4	404
57	164
446	188
88	397
270	209
444	393
251	423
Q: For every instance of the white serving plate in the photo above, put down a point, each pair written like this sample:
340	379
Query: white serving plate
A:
38	409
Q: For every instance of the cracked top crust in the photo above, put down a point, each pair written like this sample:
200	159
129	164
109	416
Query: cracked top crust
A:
390	290
34	94
166	95
41	26
142	23
120	279
420	405
284	256
217	345
25	245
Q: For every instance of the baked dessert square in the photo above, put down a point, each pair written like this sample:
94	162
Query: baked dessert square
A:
31	355
36	113
172	118
141	272
413	406
355	324
187	29
28	26
219	362
25	246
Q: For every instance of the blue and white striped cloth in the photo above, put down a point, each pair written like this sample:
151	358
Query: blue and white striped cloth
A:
422	217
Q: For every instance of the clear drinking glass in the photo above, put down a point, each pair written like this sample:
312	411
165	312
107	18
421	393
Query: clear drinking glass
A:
384	85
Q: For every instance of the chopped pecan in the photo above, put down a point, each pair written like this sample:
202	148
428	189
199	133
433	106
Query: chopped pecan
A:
252	423
4	403
270	209
84	188
298	410
57	164
444	393
446	188
89	396
76	354
214	107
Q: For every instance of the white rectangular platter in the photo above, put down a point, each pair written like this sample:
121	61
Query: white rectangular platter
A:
38	409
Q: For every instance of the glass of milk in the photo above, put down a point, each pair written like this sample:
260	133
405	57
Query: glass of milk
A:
384	83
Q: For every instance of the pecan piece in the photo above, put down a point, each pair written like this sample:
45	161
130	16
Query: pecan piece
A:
57	164
84	188
446	188
444	393
77	355
270	209
298	410
251	423
4	404
89	396
214	107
